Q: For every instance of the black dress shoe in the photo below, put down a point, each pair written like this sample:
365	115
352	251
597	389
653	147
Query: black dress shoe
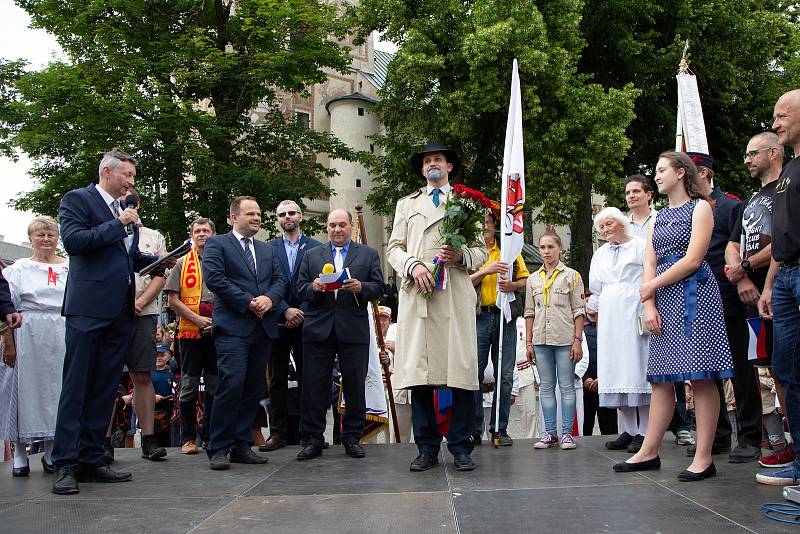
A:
247	456
151	450
219	461
653	464
354	450
48	468
65	482
274	442
108	452
23	471
101	473
636	444
621	443
309	452
690	476
716	448
424	461
463	462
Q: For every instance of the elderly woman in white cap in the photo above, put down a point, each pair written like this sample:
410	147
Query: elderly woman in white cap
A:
622	341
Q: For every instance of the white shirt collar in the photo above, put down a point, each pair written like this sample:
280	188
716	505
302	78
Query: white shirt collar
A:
108	199
444	189
239	237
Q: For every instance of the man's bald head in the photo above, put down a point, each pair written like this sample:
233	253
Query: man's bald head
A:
786	121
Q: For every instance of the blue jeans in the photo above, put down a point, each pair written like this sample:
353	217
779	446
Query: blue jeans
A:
786	344
488	329
552	361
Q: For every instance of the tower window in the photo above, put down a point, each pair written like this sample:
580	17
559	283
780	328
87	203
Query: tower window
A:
358	182
360	112
303	118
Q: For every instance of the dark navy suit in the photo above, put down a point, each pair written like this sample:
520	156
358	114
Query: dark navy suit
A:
336	326
98	306
242	338
289	341
6	306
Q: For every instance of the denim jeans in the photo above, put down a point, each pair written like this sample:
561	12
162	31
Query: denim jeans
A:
553	361
488	329
786	344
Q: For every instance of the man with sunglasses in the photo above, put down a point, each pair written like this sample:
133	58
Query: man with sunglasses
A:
748	258
289	247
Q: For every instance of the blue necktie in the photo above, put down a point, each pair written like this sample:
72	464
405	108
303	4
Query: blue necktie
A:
251	262
435	194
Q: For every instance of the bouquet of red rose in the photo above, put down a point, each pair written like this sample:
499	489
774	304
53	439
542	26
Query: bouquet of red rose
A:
461	225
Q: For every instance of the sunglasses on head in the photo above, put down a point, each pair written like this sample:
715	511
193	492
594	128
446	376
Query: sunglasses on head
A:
287	214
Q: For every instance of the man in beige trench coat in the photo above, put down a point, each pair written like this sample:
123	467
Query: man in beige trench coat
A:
435	344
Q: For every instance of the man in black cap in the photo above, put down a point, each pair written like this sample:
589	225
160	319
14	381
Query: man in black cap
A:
748	400
435	345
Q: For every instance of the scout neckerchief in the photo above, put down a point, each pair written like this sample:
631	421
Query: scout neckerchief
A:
191	289
547	283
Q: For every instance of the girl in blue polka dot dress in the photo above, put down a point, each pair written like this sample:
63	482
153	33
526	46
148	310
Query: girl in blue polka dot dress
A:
683	312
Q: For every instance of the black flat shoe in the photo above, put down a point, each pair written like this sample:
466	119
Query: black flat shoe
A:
309	452
423	462
23	471
653	464
48	468
690	476
219	461
354	450
636	444
65	482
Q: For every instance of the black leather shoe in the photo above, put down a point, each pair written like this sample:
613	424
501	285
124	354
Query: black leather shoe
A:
309	452
636	444
108	452
65	482
354	450
463	462
48	468
247	456
219	461
151	450
423	462
274	442
23	471
621	443
101	473
716	449
653	464
690	476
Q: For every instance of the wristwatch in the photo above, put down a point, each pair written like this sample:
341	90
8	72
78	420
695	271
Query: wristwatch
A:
746	266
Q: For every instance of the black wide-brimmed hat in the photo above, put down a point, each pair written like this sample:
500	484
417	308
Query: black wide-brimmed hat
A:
432	146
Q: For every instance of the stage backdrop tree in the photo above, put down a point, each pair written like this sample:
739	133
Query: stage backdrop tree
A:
744	53
174	84
450	81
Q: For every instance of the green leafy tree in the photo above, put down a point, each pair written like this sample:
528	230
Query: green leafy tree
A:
174	83
450	81
744	54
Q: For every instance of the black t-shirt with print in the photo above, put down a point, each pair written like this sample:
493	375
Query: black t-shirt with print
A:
753	230
785	226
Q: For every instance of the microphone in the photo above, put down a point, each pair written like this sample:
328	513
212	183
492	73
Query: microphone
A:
130	203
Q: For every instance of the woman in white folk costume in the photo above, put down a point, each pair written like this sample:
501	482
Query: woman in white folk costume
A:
33	358
615	276
554	314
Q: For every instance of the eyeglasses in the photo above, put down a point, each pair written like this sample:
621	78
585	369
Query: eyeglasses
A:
753	153
288	214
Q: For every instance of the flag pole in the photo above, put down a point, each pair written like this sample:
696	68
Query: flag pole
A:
512	202
379	336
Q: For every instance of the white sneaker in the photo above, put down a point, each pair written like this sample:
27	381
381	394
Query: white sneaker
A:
684	437
567	442
546	441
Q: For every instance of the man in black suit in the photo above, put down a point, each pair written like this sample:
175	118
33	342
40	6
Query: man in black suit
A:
289	248
103	249
336	324
244	275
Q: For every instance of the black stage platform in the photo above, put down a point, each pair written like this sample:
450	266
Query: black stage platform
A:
513	489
